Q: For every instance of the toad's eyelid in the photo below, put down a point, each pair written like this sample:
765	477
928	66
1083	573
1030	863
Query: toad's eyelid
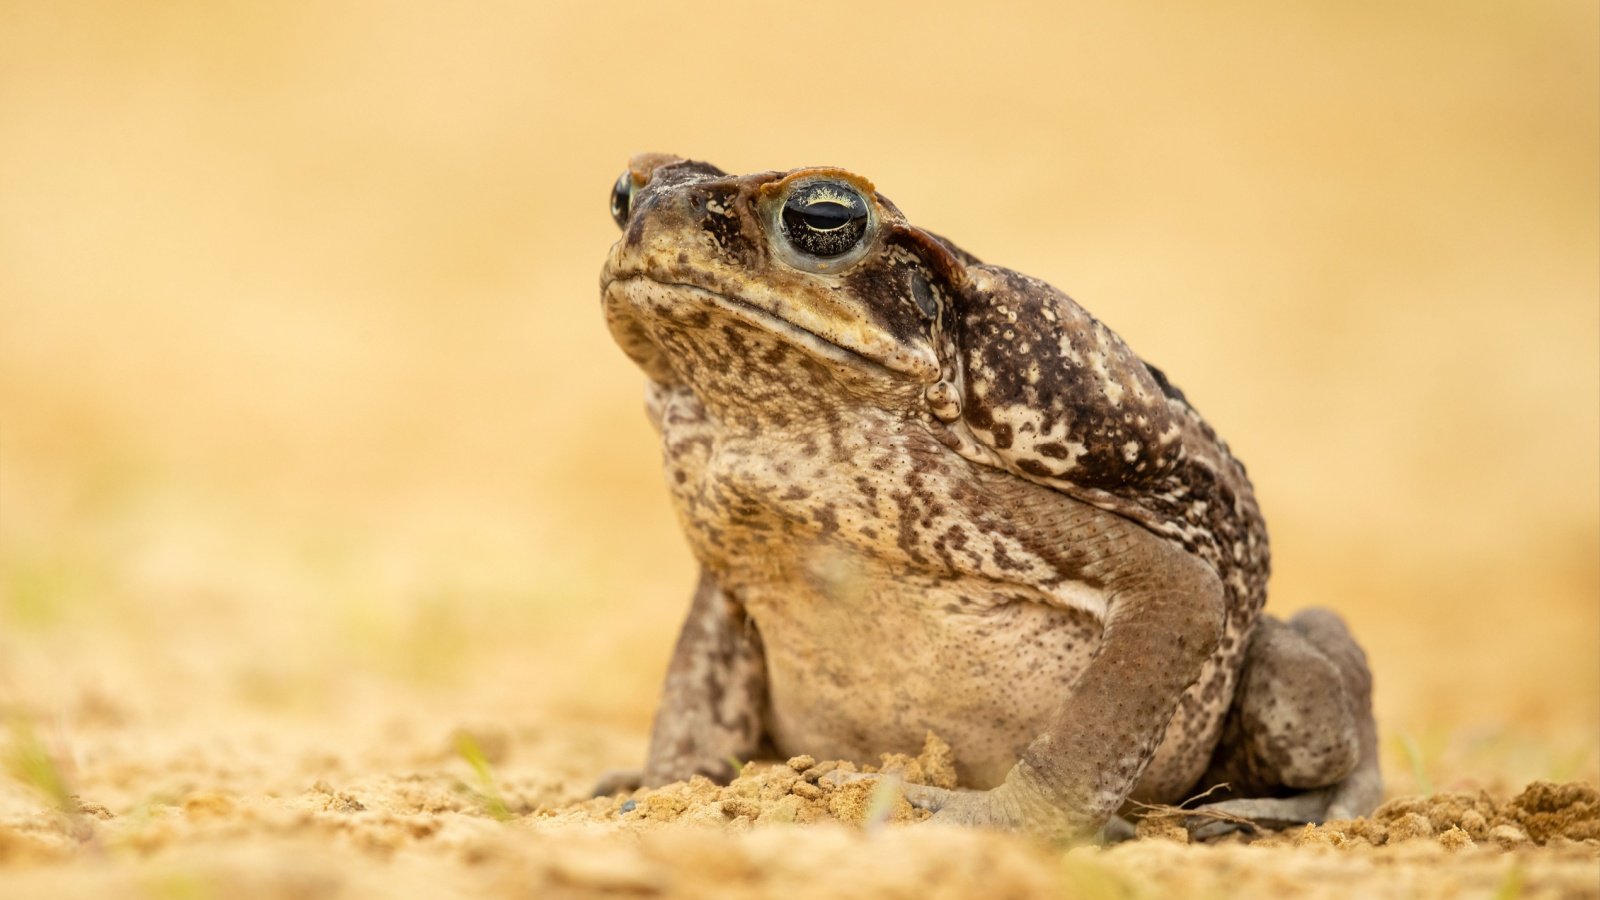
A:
829	192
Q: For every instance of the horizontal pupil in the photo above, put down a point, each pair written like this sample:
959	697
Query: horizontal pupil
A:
827	216
826	220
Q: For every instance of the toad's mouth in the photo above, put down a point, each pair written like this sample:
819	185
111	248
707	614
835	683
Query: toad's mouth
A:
636	289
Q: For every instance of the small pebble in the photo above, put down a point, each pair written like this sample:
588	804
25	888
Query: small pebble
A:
785	810
1410	827
737	807
1508	836
628	807
817	771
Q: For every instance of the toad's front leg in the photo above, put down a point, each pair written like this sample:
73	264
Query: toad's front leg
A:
712	704
1163	622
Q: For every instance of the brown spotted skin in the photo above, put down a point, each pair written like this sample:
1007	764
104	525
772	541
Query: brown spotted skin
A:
714	693
927	494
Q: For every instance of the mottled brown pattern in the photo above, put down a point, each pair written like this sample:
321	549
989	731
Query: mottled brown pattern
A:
928	493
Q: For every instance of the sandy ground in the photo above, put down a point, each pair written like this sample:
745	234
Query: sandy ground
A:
462	818
315	455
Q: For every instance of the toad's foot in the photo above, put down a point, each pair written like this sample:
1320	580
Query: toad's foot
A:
1214	820
1349	799
1012	806
921	796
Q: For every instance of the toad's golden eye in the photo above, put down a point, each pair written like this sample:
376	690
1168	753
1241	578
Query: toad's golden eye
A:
824	218
622	199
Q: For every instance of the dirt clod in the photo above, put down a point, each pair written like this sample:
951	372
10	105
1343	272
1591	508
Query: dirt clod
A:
1546	810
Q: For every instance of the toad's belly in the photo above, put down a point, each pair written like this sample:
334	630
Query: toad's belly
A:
873	665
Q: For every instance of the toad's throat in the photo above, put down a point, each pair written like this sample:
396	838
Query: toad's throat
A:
895	362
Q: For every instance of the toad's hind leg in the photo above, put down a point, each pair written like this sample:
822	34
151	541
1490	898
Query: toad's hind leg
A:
1300	742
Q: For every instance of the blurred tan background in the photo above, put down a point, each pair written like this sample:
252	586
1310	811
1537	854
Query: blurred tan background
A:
308	418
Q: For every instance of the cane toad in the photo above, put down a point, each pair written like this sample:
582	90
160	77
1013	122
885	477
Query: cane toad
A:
927	493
